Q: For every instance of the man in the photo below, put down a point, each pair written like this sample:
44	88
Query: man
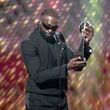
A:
48	60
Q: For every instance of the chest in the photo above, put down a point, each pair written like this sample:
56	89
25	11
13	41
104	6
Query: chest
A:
51	55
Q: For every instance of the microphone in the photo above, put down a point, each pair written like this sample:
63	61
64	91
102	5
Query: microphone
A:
63	45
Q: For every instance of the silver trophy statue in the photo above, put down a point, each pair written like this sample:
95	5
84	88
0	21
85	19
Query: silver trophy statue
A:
82	28
80	52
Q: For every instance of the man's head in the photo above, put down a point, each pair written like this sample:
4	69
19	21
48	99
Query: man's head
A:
49	20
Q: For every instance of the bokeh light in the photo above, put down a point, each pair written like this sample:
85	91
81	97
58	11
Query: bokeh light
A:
88	90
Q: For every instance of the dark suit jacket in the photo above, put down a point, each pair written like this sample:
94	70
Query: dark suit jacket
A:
44	80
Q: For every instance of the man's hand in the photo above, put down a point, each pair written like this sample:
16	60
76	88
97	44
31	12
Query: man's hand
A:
75	63
88	33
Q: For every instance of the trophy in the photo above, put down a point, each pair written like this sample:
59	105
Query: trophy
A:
80	51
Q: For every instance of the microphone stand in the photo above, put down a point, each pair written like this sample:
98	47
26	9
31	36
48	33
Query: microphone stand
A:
61	55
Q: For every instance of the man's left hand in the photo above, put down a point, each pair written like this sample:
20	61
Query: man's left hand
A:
88	33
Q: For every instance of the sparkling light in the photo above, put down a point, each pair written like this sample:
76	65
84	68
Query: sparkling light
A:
90	89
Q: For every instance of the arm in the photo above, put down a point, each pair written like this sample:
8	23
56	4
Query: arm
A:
69	51
87	52
35	68
71	54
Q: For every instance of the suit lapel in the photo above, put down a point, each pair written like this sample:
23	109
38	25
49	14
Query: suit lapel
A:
44	52
43	49
58	52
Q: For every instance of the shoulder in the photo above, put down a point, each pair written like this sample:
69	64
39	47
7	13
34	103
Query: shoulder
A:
28	48
32	39
60	36
31	42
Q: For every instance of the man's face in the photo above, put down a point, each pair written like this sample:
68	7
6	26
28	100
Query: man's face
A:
49	25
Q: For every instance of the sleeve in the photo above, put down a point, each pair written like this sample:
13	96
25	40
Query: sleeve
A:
35	68
87	51
69	51
71	54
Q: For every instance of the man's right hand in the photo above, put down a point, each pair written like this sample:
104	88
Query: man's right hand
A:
75	63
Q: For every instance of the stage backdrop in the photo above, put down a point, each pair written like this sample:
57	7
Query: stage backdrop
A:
88	90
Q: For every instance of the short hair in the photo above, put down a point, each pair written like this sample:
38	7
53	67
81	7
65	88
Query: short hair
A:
50	12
